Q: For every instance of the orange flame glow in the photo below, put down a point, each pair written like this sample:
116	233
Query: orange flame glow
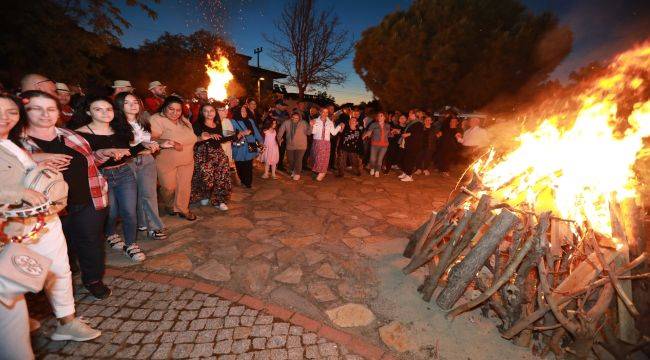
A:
220	76
574	171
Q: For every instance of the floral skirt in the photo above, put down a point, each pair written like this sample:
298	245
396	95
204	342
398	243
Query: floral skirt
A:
320	155
211	179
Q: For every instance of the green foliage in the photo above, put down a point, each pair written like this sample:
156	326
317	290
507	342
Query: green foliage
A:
458	52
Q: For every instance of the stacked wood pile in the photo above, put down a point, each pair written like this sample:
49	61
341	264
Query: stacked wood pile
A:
555	286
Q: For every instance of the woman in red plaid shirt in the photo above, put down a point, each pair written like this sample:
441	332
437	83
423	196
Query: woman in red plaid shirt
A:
83	222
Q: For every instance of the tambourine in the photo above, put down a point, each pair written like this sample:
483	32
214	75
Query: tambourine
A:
37	211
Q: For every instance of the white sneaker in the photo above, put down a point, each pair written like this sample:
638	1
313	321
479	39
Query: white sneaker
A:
223	207
376	174
426	173
115	241
417	172
265	176
445	174
205	202
76	330
296	177
372	172
401	176
134	252
320	177
407	179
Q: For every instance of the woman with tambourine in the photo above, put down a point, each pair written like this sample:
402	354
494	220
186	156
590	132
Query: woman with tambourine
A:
33	240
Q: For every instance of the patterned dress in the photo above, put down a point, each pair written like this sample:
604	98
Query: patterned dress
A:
271	154
211	179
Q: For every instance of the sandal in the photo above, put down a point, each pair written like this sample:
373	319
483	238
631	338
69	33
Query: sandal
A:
134	252
187	216
158	234
115	241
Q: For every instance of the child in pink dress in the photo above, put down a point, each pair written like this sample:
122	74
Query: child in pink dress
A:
271	154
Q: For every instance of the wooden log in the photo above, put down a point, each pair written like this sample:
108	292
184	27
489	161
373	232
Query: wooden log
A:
413	239
459	198
427	253
452	249
461	274
635	232
540	231
626	310
578	282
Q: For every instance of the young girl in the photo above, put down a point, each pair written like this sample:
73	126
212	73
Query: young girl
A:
102	130
271	155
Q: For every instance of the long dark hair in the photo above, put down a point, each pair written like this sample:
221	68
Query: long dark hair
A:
120	99
119	125
16	131
201	118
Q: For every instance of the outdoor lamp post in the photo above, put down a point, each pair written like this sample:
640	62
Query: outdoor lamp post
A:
259	90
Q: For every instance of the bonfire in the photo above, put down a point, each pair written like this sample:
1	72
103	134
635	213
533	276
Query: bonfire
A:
547	234
219	74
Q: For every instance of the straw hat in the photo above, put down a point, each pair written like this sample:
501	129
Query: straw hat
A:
153	84
62	87
121	83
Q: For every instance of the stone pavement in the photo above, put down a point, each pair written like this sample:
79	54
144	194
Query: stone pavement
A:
146	319
327	251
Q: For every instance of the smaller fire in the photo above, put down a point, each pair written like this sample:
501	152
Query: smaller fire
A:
220	76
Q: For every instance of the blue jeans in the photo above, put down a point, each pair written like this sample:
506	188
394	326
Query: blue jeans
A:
377	154
122	200
144	168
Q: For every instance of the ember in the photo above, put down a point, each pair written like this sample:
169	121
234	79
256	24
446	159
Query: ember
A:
544	221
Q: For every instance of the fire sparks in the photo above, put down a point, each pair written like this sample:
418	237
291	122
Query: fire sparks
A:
220	76
575	171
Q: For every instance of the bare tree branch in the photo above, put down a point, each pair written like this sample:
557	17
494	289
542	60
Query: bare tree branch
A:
309	46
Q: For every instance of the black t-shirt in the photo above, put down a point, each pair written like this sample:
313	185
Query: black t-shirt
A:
114	141
76	175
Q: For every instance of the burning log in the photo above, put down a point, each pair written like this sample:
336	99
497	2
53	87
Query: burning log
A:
461	274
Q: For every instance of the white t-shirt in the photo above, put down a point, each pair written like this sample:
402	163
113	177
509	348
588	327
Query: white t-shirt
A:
476	136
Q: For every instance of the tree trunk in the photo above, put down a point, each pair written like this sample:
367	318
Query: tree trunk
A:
461	274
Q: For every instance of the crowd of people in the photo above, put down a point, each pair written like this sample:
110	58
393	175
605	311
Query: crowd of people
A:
124	157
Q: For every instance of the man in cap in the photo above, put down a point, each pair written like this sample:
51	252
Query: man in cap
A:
38	82
158	92
200	98
63	93
121	86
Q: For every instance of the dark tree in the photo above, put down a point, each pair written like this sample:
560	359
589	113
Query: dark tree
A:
463	53
46	41
104	17
310	46
176	60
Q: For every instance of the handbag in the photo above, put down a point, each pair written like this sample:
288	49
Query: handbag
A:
21	269
49	183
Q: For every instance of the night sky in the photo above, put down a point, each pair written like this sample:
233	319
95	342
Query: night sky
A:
601	28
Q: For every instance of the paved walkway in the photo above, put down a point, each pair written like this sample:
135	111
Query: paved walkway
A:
328	251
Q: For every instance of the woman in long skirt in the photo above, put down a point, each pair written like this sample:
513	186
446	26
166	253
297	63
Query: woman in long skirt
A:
322	128
211	182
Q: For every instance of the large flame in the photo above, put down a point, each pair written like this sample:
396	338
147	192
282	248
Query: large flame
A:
576	171
220	76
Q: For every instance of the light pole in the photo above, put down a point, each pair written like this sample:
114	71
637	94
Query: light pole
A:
259	90
257	51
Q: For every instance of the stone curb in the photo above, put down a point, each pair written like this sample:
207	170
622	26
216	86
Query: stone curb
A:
354	343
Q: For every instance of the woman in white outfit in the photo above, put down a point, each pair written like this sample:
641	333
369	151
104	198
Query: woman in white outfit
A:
51	242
